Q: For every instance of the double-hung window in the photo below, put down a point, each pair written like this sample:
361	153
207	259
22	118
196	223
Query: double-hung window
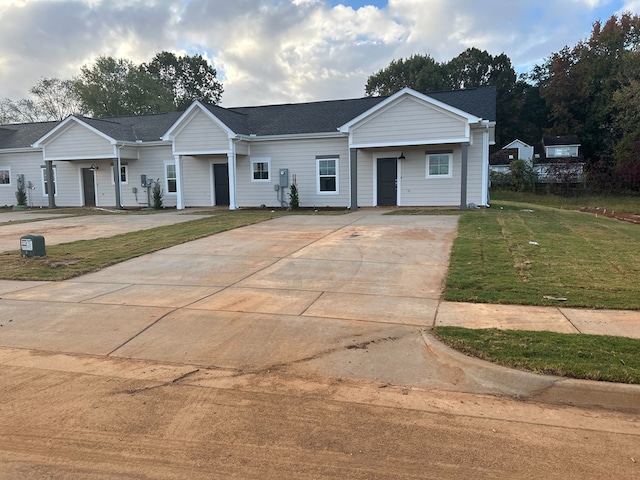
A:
171	178
439	164
260	169
45	182
327	175
124	175
5	176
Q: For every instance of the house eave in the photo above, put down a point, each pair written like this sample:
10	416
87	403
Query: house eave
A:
293	136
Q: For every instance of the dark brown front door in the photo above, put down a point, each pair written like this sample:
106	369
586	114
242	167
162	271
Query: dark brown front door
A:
221	183
89	187
387	181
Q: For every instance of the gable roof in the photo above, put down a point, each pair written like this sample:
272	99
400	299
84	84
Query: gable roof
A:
555	140
284	119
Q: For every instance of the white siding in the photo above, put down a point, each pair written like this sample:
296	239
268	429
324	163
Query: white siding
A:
197	180
407	121
474	170
78	141
299	156
27	164
201	134
365	179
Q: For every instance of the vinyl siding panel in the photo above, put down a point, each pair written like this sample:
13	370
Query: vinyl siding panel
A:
201	134
407	121
198	180
365	179
299	156
78	141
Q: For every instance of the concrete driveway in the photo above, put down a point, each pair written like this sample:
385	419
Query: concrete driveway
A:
345	295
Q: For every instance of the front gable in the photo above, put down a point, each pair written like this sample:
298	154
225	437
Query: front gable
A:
73	139
199	132
409	118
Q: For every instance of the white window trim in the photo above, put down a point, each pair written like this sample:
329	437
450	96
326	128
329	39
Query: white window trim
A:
166	179
428	175
126	169
266	160
55	181
337	175
10	184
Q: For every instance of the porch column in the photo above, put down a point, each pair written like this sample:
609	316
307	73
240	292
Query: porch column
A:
51	194
463	175
353	175
117	180
231	159
179	189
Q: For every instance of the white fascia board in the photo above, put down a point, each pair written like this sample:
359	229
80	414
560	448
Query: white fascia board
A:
410	143
190	153
21	150
296	136
517	140
84	157
66	123
189	113
382	106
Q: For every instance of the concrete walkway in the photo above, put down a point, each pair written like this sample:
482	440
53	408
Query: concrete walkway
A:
344	296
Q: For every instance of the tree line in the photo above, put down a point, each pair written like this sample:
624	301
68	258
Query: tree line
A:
591	90
112	87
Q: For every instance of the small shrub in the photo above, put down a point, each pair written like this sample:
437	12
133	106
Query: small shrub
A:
157	195
294	200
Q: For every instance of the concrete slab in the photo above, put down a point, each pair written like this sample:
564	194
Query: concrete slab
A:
245	341
286	302
399	280
7	286
170	296
507	317
605	322
166	268
72	328
64	292
375	308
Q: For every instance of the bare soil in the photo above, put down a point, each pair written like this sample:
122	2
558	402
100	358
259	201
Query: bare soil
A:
64	416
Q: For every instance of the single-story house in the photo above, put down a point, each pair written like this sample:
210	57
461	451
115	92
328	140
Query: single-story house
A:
407	149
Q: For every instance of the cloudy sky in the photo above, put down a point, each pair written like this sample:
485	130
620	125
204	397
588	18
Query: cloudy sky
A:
276	51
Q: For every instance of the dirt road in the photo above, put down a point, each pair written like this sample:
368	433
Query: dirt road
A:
66	416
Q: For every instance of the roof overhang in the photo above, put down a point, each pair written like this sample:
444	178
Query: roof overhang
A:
188	114
408	92
64	125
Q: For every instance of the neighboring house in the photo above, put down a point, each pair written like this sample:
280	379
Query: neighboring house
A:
409	149
557	159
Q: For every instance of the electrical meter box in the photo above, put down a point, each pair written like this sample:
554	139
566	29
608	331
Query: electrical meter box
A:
284	177
32	246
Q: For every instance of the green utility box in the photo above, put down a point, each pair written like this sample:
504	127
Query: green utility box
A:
32	246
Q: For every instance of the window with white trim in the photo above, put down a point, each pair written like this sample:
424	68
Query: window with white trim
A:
327	175
260	169
171	180
5	176
124	175
45	182
439	165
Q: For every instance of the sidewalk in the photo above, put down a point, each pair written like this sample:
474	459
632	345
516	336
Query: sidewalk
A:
621	323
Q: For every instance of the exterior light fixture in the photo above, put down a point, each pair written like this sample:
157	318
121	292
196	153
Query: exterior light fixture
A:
401	157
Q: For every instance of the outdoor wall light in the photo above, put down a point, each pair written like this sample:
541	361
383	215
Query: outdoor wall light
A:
93	167
401	157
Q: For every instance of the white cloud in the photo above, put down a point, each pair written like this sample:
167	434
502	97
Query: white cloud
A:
269	51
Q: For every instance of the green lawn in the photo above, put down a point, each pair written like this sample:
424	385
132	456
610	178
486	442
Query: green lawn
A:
72	259
591	357
516	253
620	204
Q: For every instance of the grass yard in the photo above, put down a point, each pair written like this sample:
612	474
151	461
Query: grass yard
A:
516	253
620	204
590	357
71	259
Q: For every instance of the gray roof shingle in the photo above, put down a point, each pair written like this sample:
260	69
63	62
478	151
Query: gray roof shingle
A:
284	119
